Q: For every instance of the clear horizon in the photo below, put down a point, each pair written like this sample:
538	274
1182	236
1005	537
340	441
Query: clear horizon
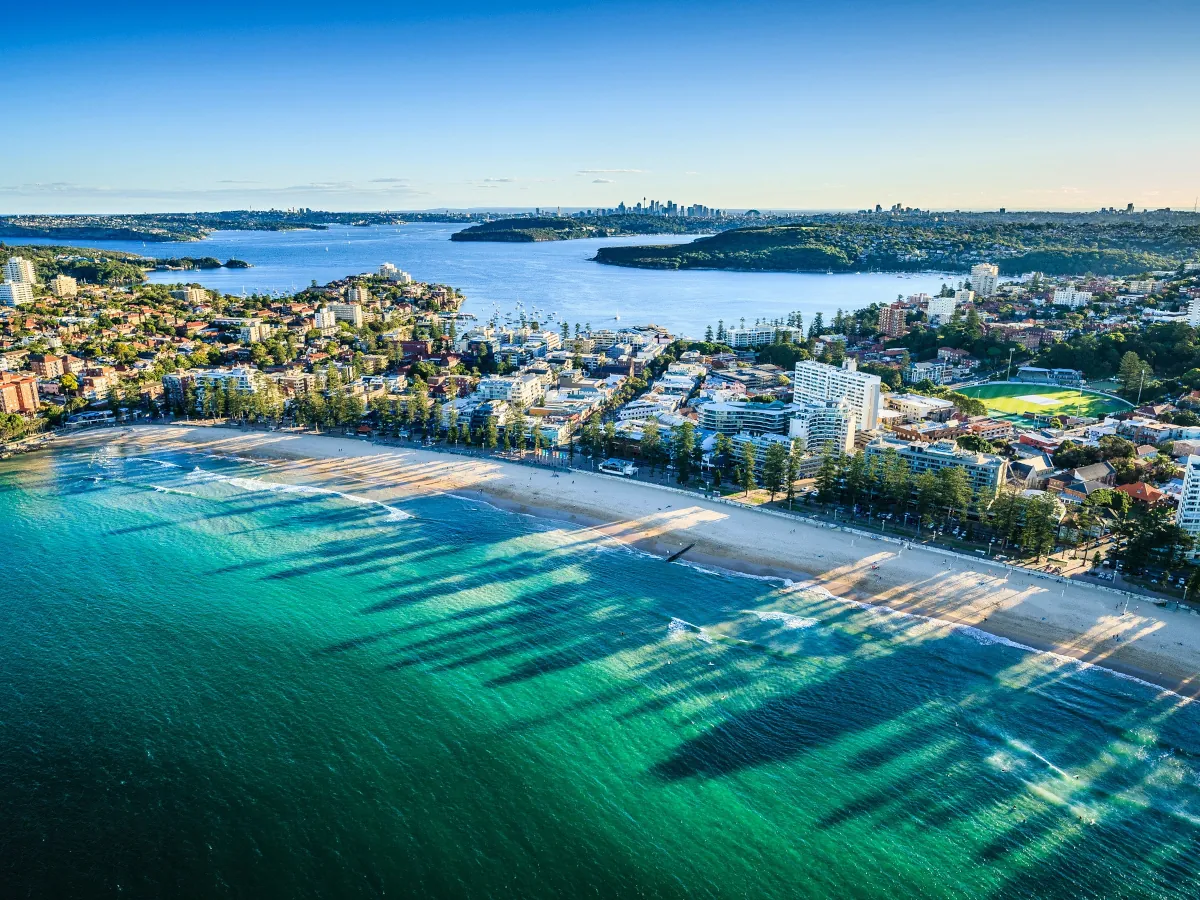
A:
136	108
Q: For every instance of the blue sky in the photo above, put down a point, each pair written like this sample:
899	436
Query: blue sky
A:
1046	105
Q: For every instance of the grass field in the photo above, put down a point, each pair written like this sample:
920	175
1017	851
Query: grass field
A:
1014	401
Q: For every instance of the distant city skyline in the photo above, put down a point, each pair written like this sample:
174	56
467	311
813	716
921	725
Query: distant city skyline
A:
139	108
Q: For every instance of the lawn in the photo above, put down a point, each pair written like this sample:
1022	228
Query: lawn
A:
1016	401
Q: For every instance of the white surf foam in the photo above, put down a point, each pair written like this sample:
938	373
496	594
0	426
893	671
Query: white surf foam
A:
276	487
158	462
789	621
160	489
677	629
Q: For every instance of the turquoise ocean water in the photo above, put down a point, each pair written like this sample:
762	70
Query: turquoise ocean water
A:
212	685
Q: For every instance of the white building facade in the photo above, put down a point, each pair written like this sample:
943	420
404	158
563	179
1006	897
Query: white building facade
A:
983	279
19	270
524	390
817	382
16	293
822	425
939	309
347	312
1187	516
757	335
1068	296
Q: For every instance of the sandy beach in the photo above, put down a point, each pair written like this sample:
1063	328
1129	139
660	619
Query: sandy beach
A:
1071	618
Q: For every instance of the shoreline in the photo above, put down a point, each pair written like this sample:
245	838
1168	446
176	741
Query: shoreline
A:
1070	619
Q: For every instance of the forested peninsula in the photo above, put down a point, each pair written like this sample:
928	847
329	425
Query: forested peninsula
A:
163	227
1057	247
105	267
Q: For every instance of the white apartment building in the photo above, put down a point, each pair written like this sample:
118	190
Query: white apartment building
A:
817	426
391	273
757	335
917	407
648	406
192	295
524	390
1187	516
359	293
254	332
19	270
1068	296
761	444
939	309
818	382
756	418
64	286
347	312
1193	312
243	379
935	370
985	471
16	293
983	279
324	319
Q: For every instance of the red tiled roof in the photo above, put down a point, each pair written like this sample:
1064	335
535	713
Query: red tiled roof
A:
1143	492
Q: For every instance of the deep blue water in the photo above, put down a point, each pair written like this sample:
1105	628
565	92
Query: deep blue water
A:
554	276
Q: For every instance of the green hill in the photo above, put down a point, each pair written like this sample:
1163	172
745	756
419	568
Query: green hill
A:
791	248
856	243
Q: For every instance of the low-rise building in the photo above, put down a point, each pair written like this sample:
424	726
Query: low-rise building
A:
761	443
243	379
648	406
929	431
732	417
933	370
985	471
918	407
1039	375
523	390
991	429
758	335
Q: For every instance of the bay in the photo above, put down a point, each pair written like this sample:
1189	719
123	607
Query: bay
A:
215	684
554	276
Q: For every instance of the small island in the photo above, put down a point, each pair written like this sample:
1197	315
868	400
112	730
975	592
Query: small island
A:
561	228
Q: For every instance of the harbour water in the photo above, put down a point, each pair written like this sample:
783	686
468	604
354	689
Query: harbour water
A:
217	684
554	276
